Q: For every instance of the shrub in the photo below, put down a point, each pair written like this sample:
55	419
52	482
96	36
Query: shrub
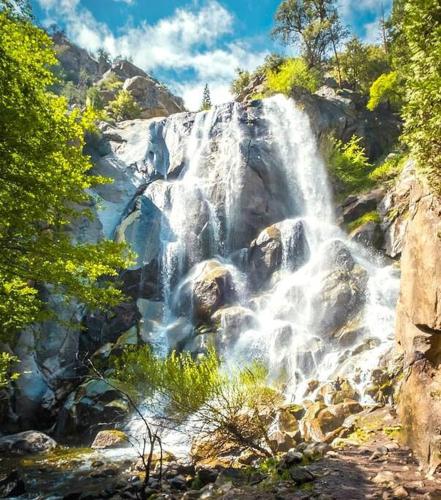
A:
293	73
389	169
350	165
6	362
93	98
385	89
226	410
241	81
111	82
368	217
124	107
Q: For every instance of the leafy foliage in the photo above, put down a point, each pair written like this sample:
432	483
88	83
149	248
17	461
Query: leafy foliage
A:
124	107
226	410
389	169
385	89
6	362
44	175
421	33
293	73
242	80
350	165
362	63
313	25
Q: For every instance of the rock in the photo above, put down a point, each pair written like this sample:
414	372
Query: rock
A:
290	458
338	391
178	483
231	322
208	288
11	485
386	478
124	69
400	492
110	439
369	235
301	475
153	98
207	475
394	209
357	205
284	241
93	404
281	441
28	442
418	327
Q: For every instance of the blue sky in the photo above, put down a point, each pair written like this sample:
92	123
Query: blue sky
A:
187	43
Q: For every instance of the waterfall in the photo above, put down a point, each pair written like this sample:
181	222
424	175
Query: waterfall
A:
253	182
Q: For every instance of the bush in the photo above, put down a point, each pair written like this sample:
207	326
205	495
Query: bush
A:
350	165
93	98
389	169
241	81
6	362
226	410
293	73
385	89
124	107
111	82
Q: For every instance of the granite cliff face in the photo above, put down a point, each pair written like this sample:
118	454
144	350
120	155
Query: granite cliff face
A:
418	326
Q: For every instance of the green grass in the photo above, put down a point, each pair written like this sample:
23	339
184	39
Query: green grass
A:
389	170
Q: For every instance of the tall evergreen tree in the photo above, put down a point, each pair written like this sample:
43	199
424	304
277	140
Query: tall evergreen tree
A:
206	99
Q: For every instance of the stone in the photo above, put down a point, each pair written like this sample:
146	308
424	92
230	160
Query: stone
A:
282	241
301	475
94	403
110	439
210	288
290	458
153	98
400	492
11	485
418	327
27	442
369	235
207	475
386	478
357	205
178	483
281	441
231	321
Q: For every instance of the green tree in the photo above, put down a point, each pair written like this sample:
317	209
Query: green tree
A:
313	25
124	107
361	64
241	82
206	99
293	73
420	32
386	88
44	178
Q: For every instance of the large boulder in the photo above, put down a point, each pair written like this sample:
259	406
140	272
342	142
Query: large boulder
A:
153	98
342	292
231	321
357	205
282	243
25	443
92	405
369	235
208	288
110	439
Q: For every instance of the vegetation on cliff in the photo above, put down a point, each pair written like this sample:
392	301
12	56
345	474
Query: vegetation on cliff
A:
44	178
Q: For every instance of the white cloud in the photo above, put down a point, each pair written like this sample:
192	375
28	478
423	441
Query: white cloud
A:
128	2
190	39
352	11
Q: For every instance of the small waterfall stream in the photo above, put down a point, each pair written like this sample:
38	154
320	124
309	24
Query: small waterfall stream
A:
327	308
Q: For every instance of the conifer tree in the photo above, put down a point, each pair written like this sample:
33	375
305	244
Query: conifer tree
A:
206	99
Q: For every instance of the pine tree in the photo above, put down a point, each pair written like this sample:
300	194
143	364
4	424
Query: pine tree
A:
206	99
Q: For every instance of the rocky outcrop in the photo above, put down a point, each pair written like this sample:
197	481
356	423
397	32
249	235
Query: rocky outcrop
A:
418	326
26	443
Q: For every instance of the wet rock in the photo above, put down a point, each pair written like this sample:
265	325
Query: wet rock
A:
210	289
11	485
27	442
272	246
93	404
231	321
110	439
369	235
338	391
357	205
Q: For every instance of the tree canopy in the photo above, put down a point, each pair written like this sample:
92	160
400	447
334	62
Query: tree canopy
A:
44	177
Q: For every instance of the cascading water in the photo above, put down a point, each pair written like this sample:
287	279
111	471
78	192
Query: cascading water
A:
324	308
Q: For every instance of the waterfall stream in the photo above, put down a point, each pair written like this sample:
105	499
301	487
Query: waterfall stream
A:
325	309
